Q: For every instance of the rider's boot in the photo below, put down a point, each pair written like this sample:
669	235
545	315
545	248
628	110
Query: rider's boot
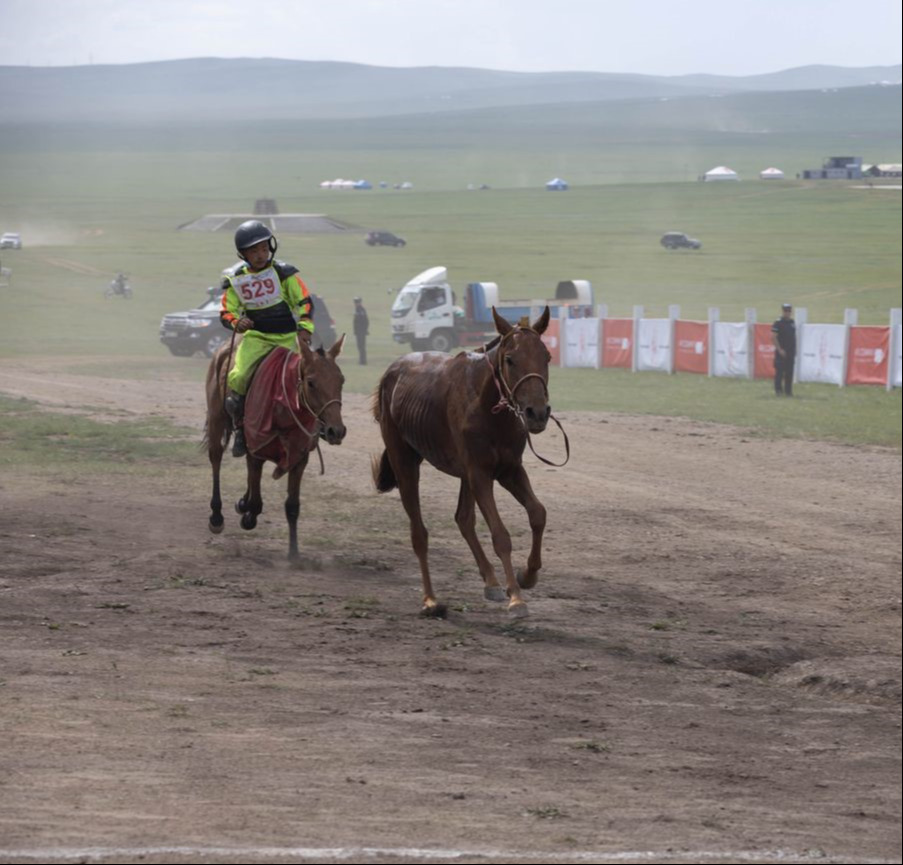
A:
235	406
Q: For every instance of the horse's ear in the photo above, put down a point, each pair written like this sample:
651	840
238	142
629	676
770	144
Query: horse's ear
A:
306	352
336	349
502	325
542	322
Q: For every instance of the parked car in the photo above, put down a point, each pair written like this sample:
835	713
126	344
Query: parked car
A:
679	240
383	238
10	240
200	329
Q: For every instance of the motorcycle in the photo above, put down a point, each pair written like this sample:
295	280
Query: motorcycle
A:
119	287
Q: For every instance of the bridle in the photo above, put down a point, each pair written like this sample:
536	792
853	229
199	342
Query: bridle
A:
506	393
304	402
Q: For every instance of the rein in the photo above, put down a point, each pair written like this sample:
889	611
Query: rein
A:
507	401
304	403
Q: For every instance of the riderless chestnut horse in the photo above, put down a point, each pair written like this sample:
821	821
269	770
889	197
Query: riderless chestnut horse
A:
470	416
293	400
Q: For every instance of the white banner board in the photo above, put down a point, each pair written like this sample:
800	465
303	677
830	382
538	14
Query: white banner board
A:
821	353
731	358
897	359
581	342
654	344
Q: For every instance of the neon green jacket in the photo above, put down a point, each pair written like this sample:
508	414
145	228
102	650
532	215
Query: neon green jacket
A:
275	298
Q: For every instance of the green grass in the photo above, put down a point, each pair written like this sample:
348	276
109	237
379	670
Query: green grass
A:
31	436
100	203
853	415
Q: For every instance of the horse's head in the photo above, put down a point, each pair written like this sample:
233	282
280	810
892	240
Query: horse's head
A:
320	389
523	367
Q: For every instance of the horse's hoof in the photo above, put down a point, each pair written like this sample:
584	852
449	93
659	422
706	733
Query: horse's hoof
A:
524	581
240	506
494	593
214	526
518	611
434	611
248	521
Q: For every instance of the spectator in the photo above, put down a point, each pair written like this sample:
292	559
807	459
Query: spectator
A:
361	330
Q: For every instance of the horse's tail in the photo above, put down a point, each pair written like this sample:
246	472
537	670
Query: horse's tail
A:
218	424
383	476
376	402
225	437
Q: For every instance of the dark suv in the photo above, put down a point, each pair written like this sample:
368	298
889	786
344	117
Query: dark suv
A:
383	238
199	329
679	240
185	333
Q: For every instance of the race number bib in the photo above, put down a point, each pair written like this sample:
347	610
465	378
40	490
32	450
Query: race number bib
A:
258	290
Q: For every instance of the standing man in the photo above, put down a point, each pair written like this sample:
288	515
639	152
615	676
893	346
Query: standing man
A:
783	335
361	330
267	301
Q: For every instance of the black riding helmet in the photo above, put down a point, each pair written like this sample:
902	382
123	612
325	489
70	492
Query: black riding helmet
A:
251	233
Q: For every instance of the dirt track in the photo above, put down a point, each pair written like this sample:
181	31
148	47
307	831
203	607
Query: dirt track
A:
710	672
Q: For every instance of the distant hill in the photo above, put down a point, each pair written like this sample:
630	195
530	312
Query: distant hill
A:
799	78
210	90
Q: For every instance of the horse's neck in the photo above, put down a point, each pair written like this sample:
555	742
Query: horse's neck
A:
489	375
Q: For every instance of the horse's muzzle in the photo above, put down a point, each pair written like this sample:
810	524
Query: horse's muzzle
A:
536	419
334	433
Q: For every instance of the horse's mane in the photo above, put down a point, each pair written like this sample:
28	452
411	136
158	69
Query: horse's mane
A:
523	324
486	347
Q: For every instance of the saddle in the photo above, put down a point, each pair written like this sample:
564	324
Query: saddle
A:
277	427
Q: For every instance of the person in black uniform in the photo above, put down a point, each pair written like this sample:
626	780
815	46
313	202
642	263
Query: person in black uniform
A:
361	329
783	335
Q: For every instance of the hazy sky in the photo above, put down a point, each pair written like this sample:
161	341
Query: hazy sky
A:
662	37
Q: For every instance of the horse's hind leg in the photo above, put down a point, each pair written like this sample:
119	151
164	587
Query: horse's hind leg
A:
216	436
215	455
465	517
293	507
405	464
518	484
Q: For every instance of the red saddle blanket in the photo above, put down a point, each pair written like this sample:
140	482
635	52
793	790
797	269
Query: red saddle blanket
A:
277	427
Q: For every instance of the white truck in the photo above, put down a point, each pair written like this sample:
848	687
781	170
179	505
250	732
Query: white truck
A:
426	313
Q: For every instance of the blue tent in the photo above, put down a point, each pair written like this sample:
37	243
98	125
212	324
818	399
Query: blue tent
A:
363	184
556	184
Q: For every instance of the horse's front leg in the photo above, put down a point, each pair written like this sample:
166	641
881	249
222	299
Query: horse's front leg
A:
518	484
481	485
465	518
293	506
251	503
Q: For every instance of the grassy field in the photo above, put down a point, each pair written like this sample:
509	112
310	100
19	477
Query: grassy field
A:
58	441
87	212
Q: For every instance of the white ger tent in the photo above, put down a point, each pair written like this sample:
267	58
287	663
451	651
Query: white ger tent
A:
771	174
722	172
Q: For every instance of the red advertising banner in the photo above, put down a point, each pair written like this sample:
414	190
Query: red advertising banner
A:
867	355
617	346
553	344
764	351
691	346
